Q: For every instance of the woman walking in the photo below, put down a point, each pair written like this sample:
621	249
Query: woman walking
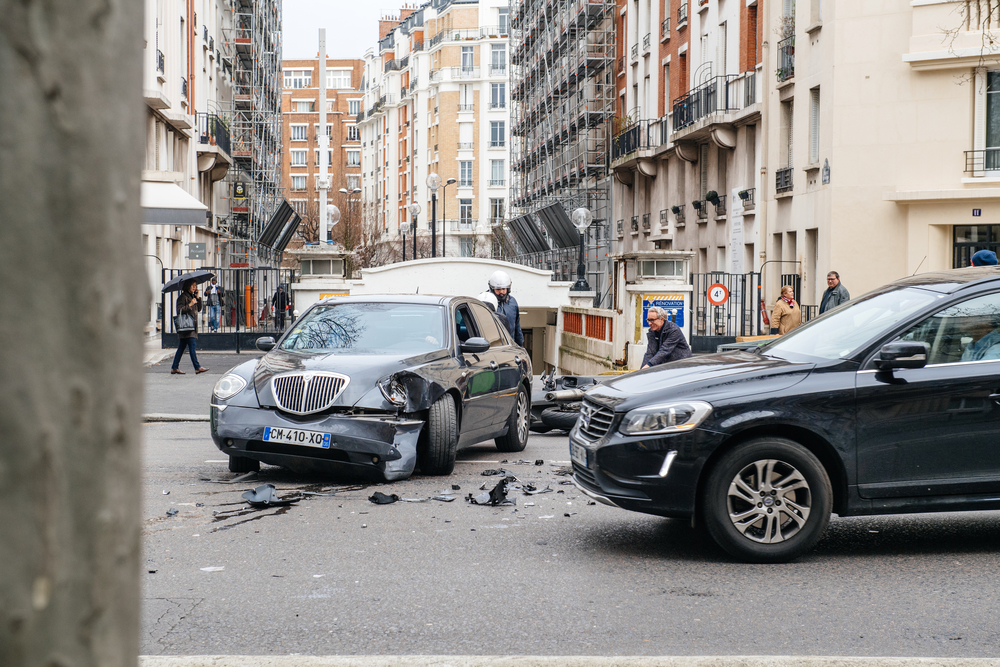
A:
786	314
188	304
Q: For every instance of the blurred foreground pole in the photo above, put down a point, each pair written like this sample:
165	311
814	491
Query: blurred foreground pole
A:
72	301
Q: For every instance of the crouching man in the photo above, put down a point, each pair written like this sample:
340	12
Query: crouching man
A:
664	341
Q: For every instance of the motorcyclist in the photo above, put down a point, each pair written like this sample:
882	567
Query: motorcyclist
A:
490	300
499	284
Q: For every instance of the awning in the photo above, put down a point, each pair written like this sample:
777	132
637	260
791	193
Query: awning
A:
169	204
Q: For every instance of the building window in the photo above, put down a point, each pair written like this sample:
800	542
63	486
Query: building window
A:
303	106
465	246
814	126
789	132
300	158
498	59
299	205
354	107
329	158
353	181
353	158
353	133
497	134
503	20
468	59
498	95
497	172
496	211
465	173
465	211
298	132
298	183
660	268
329	129
298	78
338	78
969	239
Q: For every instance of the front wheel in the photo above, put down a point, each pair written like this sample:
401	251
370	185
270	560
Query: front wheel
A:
440	438
767	501
517	425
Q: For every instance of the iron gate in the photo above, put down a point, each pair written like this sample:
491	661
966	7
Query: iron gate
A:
245	314
738	316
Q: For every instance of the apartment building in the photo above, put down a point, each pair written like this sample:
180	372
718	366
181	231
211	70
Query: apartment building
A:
435	102
300	127
188	91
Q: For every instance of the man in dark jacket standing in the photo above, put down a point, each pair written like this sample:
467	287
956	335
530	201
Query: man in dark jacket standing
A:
835	293
664	341
507	305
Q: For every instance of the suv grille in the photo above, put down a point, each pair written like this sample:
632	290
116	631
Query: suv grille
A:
306	393
595	421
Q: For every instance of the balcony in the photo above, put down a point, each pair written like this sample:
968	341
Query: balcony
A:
497	105
498	144
464	72
635	223
465	145
749	198
463	225
160	61
678	212
645	223
638	136
720	94
701	209
720	206
621	228
212	131
682	15
466	107
665	30
498	70
184	88
786	59
646	41
783	180
497	183
664	221
635	52
977	163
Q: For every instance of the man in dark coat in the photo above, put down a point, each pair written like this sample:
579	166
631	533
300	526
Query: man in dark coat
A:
835	293
280	304
664	341
507	305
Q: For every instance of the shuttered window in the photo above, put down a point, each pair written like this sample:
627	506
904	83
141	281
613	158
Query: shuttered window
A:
703	169
814	126
790	116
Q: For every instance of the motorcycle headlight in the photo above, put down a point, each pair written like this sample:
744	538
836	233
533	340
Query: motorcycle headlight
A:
229	386
674	417
393	391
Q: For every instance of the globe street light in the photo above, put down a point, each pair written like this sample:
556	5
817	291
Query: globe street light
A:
444	214
582	218
433	182
414	211
332	217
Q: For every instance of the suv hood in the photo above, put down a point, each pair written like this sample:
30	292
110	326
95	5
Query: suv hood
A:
706	377
364	370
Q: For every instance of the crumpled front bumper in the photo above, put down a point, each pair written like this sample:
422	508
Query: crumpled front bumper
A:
368	446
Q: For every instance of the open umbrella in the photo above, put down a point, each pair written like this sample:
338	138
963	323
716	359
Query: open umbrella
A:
175	284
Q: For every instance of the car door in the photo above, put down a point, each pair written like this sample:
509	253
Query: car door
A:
479	376
508	371
933	430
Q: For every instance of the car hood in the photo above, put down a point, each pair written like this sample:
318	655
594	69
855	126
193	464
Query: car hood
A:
705	377
364	370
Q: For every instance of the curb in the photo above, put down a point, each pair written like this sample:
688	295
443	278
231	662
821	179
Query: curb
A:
553	661
174	418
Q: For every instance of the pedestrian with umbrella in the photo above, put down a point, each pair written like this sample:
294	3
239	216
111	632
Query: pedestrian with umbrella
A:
186	320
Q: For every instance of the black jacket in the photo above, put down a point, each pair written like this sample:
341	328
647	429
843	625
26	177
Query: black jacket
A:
667	344
190	305
508	309
833	297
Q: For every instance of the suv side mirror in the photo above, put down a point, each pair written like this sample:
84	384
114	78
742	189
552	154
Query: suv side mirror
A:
265	344
902	354
476	345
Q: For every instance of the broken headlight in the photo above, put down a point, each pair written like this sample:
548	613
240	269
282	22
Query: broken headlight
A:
229	386
673	417
393	391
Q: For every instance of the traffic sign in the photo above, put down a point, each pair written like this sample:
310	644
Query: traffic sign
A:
717	294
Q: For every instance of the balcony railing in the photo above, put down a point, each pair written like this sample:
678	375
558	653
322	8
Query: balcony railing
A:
720	94
748	197
463	225
212	131
498	70
665	29
664	221
465	145
498	105
640	135
701	208
783	180
645	222
646	41
682	14
635	223
160	61
184	87
786	58
621	65
621	227
464	72
678	214
466	107
979	162
500	143
497	183
720	206
635	51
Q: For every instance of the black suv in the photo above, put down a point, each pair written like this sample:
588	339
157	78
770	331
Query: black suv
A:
887	404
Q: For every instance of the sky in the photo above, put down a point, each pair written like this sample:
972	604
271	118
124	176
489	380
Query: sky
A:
351	26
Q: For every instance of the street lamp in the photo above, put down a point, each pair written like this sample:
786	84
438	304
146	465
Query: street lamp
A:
434	182
414	211
444	214
582	218
332	218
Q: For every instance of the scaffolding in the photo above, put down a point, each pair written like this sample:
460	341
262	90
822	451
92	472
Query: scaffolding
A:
254	42
563	100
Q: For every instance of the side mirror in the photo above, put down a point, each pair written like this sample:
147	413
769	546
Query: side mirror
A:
476	345
902	354
265	344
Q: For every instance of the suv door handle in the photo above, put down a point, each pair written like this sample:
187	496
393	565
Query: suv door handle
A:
493	365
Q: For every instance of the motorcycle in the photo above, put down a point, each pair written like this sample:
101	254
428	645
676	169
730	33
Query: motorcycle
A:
556	405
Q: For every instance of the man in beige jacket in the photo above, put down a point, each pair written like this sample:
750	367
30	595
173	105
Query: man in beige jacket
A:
786	314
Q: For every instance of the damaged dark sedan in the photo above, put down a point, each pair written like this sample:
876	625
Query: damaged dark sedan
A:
375	387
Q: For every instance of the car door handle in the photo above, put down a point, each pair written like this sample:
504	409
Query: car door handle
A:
493	365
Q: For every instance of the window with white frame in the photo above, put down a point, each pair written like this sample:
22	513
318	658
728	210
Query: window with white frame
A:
503	19
465	246
329	157
298	131
468	58
338	78
298	183
465	211
353	158
465	173
297	78
497	172
498	95
354	107
303	106
299	205
300	158
498	58
496	210
329	129
497	134
353	133
353	181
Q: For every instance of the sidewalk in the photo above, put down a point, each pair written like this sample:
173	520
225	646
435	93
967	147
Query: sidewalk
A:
554	661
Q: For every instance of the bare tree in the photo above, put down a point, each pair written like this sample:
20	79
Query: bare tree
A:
308	230
982	16
71	120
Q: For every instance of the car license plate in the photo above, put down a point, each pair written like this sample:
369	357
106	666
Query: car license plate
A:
578	454
296	436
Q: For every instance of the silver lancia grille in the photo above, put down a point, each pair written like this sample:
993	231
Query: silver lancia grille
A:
594	421
306	393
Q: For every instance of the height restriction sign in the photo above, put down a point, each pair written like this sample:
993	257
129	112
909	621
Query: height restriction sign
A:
717	294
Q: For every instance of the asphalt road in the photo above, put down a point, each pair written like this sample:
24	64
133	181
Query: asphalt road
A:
336	574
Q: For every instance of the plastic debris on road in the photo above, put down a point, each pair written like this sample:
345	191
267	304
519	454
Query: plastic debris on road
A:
444	497
214	569
380	498
490	472
172	511
266	496
496	496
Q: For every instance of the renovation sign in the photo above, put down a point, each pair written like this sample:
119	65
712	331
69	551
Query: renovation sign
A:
672	303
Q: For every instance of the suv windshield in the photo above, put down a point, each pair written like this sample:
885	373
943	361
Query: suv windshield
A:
841	332
369	328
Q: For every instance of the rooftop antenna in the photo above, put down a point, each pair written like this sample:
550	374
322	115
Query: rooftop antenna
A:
918	266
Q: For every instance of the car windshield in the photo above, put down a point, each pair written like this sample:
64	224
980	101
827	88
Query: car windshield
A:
369	328
840	333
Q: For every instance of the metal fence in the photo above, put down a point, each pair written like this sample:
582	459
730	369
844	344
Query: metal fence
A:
246	311
738	316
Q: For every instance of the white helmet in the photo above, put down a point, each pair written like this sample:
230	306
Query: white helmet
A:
499	280
490	299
